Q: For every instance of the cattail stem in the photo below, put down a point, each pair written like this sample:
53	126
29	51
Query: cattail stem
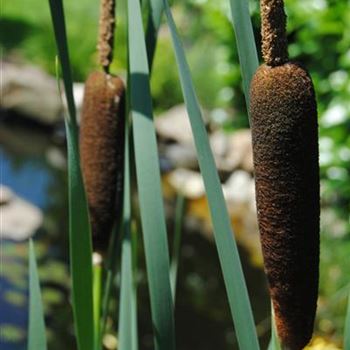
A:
273	32
106	33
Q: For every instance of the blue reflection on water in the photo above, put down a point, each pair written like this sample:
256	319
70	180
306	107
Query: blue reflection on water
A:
12	315
28	178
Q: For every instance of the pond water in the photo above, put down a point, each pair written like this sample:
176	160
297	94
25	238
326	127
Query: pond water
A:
33	167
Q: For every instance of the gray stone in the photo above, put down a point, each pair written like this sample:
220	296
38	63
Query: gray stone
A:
240	188
175	125
19	218
188	183
30	91
232	151
181	155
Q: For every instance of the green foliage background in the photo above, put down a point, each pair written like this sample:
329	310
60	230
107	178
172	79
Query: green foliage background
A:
319	37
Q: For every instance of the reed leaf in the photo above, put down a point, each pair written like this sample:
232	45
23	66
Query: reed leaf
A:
347	327
179	215
127	332
247	53
153	24
149	184
227	248
79	227
36	325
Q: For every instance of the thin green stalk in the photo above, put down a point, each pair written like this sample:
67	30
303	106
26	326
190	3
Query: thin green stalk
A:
274	342
97	283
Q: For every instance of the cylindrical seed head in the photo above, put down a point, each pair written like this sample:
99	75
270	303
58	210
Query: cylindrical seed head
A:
102	151
285	149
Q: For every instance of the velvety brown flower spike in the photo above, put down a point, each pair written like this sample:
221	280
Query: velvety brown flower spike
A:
102	151
285	149
102	137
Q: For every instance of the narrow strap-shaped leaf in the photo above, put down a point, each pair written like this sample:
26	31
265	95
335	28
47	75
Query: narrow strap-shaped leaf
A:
126	336
149	184
127	332
58	21
248	57
111	269
36	327
227	248
347	328
80	248
179	214
79	228
153	24
134	328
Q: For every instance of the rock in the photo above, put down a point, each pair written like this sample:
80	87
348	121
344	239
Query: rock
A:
19	219
239	191
31	92
5	195
240	188
232	151
181	155
78	93
175	125
187	182
56	158
219	142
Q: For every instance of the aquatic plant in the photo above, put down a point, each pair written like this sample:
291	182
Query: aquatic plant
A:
285	149
297	167
102	135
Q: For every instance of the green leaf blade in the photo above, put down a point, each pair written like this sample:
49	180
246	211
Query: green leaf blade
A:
149	184
247	53
79	226
153	24
179	215
127	332
347	327
227	248
80	248
36	326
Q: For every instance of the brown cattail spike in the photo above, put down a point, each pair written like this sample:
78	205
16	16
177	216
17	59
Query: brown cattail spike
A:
106	33
285	149
102	151
273	32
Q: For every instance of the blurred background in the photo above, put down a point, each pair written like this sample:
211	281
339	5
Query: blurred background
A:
33	164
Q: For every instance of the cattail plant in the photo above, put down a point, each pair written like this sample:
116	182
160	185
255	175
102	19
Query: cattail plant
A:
285	148
102	135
